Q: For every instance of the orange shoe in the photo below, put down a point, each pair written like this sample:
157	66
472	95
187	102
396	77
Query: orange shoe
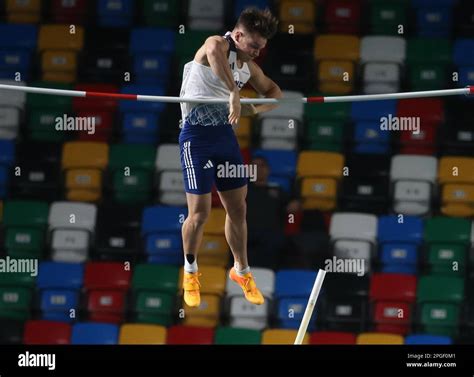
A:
247	283
191	287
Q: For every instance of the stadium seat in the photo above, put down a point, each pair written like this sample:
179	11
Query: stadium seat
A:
413	178
39	177
11	331
425	339
206	315
106	285
392	296
297	17
439	299
332	337
46	332
161	230
434	20
427	62
25	223
342	16
320	173
93	333
59	286
159	13
447	243
154	288
132	172
337	55
455	176
74	12
170	175
399	242
115	14
463	21
354	237
281	336
190	335
379	338
244	315
133	333
386	17
118	233
205	15
236	336
16	296
28	12
72	224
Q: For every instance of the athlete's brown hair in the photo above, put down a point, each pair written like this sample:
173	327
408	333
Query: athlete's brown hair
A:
258	21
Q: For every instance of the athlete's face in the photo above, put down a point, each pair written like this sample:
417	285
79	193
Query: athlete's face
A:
248	45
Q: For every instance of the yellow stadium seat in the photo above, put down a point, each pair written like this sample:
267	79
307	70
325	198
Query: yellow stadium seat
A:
456	178
24	11
320	164
335	88
281	336
244	129
59	61
300	14
60	37
212	279
337	47
248	93
319	193
136	333
216	222
379	338
84	185
458	200
456	170
206	315
214	251
60	77
336	77
81	154
83	195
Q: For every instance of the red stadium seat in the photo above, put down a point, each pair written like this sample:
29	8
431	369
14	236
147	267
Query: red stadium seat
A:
343	16
332	337
69	12
106	275
106	306
46	332
430	110
190	335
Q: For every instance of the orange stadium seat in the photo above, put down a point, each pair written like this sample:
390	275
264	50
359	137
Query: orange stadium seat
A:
379	338
281	336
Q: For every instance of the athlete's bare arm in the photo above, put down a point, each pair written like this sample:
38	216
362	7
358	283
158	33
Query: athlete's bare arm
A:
264	86
214	54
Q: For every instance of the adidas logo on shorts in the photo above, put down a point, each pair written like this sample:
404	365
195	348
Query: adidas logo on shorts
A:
208	165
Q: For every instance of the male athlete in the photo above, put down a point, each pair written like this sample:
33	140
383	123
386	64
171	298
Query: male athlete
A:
221	67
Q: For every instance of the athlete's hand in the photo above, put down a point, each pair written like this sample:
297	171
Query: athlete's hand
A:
234	107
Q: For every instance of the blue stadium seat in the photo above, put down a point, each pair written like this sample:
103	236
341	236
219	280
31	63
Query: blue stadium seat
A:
240	5
291	311
17	41
463	52
370	139
140	128
115	13
416	339
294	283
399	243
434	21
427	3
7	152
152	68
3	181
161	229
282	163
94	333
60	285
373	110
152	40
153	90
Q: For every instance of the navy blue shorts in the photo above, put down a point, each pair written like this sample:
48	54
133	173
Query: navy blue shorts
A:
205	152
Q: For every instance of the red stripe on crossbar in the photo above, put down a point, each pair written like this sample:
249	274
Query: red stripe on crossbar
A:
111	95
315	99
471	89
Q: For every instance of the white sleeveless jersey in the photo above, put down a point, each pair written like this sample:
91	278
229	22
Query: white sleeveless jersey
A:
199	81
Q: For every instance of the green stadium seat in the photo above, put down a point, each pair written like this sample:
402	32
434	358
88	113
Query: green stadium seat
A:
325	135
15	303
386	16
428	60
132	168
327	111
25	223
439	301
162	13
232	335
155	287
186	46
447	259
